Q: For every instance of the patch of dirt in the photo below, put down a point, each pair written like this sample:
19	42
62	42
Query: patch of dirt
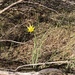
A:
59	42
56	47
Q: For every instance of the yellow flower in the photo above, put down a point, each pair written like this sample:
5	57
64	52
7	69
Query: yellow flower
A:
30	28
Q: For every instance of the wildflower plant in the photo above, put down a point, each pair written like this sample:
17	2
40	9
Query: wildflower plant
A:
36	52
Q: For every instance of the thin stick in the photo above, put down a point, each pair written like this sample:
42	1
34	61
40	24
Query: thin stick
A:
72	3
29	3
57	62
10	6
13	41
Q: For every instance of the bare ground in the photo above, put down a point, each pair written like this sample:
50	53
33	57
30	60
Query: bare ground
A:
59	42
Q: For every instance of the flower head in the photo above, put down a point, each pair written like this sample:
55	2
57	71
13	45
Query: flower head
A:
30	28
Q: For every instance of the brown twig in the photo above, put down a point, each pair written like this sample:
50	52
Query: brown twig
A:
47	63
10	6
28	65
19	1
35	3
12	41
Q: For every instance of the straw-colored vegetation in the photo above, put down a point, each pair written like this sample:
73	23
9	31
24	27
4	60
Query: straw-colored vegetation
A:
35	34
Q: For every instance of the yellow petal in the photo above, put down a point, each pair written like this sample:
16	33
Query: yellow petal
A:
30	28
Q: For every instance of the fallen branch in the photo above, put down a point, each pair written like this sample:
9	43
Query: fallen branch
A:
47	63
35	3
12	41
38	64
10	6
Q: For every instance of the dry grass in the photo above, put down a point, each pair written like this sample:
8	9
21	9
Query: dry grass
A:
56	44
